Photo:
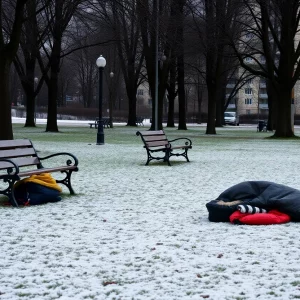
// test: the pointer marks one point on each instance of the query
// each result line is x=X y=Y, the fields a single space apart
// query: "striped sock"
x=250 y=209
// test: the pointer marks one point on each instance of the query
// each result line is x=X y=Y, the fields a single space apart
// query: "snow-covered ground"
x=141 y=232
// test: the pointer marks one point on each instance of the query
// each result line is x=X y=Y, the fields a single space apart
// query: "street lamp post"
x=100 y=62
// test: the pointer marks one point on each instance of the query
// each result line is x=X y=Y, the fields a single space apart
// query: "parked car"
x=231 y=118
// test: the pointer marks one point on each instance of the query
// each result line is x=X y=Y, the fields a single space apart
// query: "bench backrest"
x=20 y=152
x=154 y=138
x=104 y=119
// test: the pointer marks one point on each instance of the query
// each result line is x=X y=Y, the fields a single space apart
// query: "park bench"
x=106 y=123
x=139 y=121
x=262 y=126
x=94 y=124
x=18 y=158
x=156 y=141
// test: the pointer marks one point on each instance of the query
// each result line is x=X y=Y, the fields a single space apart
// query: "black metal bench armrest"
x=69 y=162
x=187 y=142
x=11 y=170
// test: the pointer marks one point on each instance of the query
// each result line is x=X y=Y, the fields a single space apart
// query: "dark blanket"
x=263 y=194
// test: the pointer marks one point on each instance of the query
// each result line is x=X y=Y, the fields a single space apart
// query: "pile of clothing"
x=37 y=189
x=256 y=203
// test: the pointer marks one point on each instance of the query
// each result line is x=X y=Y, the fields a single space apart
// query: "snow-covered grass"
x=141 y=232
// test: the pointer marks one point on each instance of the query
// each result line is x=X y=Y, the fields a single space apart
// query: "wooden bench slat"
x=155 y=138
x=157 y=143
x=6 y=144
x=21 y=162
x=17 y=152
x=46 y=170
x=151 y=132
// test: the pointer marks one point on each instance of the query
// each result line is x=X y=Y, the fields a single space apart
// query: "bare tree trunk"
x=53 y=87
x=8 y=49
x=30 y=104
x=131 y=92
x=30 y=48
x=272 y=104
x=172 y=93
x=199 y=100
x=148 y=32
x=284 y=122
x=6 y=132
x=211 y=115
x=180 y=66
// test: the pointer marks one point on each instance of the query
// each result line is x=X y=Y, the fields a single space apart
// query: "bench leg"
x=12 y=199
x=184 y=154
x=167 y=157
x=9 y=191
x=67 y=181
x=148 y=158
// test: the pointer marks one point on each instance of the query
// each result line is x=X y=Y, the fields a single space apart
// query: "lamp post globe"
x=101 y=63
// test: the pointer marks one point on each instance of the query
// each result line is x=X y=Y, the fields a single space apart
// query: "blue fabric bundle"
x=30 y=193
x=262 y=194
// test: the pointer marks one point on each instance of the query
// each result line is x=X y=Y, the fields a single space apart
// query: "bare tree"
x=172 y=89
x=86 y=73
x=214 y=21
x=26 y=60
x=179 y=7
x=121 y=17
x=273 y=24
x=11 y=20
x=57 y=16
x=161 y=31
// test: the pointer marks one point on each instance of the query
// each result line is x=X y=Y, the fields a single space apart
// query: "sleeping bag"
x=262 y=194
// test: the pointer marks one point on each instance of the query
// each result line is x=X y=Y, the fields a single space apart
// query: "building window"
x=248 y=59
x=140 y=92
x=150 y=101
x=248 y=91
x=249 y=81
x=248 y=101
x=248 y=111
